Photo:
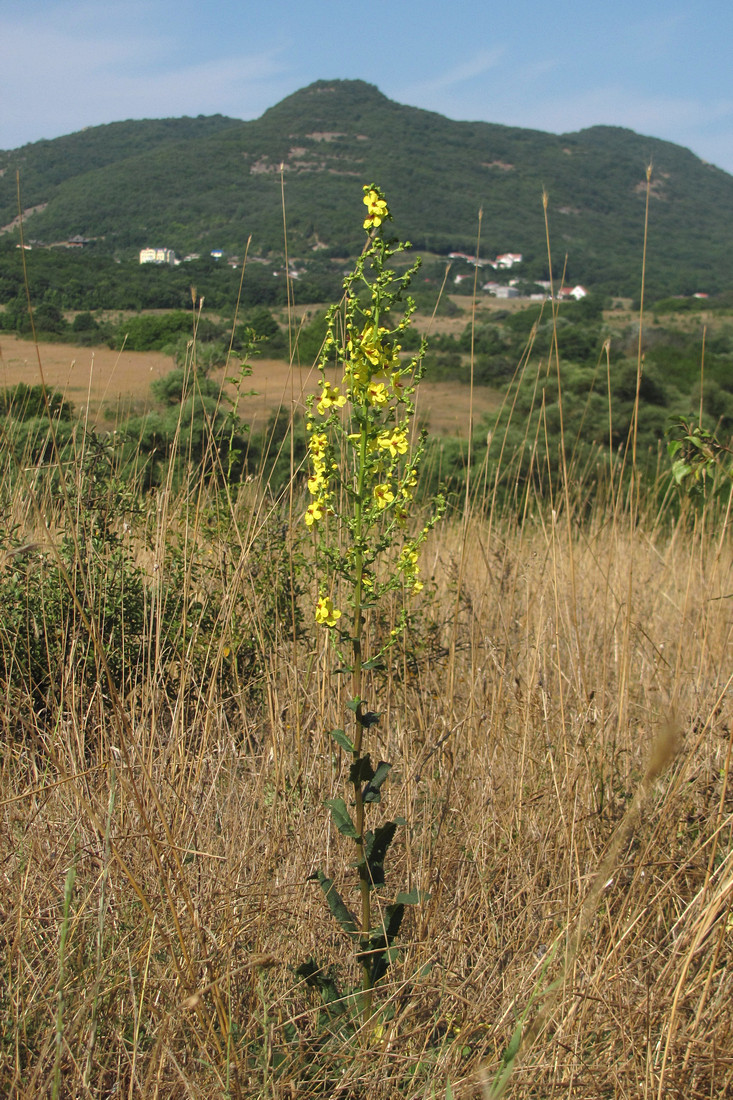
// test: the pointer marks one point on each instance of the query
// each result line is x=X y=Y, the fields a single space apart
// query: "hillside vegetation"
x=128 y=185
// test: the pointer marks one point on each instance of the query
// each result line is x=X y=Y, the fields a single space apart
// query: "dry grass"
x=548 y=662
x=559 y=719
x=111 y=384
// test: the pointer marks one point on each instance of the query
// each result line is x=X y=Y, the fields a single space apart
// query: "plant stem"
x=68 y=894
x=356 y=686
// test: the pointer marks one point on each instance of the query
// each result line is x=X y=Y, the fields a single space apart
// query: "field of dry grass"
x=560 y=720
x=118 y=382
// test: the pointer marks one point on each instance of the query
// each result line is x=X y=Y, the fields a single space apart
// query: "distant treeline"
x=687 y=369
x=86 y=279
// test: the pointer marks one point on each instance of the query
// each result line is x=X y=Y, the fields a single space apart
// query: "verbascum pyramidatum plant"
x=364 y=467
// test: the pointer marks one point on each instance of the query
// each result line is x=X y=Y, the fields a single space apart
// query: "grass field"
x=558 y=714
x=117 y=382
x=548 y=664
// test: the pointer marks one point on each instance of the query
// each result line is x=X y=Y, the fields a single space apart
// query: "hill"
x=197 y=184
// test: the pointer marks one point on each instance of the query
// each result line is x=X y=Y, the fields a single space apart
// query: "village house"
x=576 y=292
x=157 y=256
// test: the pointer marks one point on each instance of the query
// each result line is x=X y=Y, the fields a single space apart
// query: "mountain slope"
x=194 y=184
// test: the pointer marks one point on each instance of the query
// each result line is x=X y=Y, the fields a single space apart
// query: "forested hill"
x=194 y=184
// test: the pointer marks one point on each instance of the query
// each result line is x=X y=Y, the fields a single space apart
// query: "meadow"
x=555 y=703
x=110 y=385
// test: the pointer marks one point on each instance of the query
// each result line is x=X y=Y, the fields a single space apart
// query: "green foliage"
x=94 y=280
x=127 y=185
x=150 y=332
x=50 y=597
x=197 y=425
x=86 y=604
x=23 y=402
x=696 y=455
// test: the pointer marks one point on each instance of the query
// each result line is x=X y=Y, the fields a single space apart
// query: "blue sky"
x=660 y=68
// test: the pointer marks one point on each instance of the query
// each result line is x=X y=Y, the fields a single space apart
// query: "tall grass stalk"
x=61 y=979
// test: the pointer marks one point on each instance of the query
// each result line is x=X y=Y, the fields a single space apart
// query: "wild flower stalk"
x=364 y=465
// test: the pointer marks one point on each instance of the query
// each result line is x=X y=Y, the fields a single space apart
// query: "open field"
x=514 y=707
x=559 y=718
x=119 y=381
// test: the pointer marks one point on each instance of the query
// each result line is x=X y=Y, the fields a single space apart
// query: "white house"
x=508 y=259
x=157 y=256
x=576 y=292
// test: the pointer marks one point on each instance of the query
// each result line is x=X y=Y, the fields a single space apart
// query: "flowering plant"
x=364 y=459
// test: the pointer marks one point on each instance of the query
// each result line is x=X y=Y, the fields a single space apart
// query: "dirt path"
x=116 y=383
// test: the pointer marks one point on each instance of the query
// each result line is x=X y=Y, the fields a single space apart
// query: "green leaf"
x=340 y=737
x=341 y=817
x=380 y=951
x=337 y=906
x=375 y=664
x=371 y=791
x=413 y=898
x=361 y=771
x=376 y=847
x=317 y=978
x=515 y=1043
x=393 y=915
x=354 y=704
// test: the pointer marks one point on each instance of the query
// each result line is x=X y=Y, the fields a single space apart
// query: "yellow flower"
x=317 y=443
x=326 y=613
x=383 y=495
x=376 y=209
x=409 y=484
x=370 y=344
x=377 y=393
x=408 y=559
x=408 y=564
x=316 y=482
x=331 y=397
x=395 y=442
x=314 y=512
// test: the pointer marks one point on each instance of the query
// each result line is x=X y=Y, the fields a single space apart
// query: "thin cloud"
x=104 y=79
x=477 y=65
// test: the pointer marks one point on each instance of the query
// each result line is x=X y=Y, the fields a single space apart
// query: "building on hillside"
x=576 y=292
x=157 y=256
x=508 y=259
